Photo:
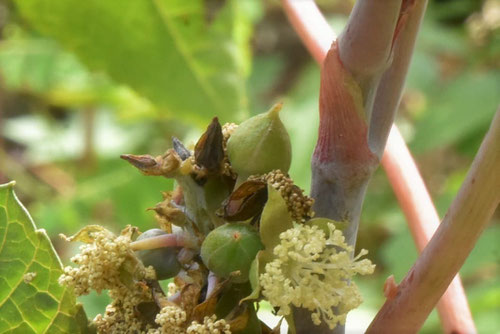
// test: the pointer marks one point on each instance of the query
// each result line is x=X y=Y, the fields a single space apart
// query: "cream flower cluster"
x=107 y=262
x=98 y=263
x=172 y=320
x=102 y=264
x=314 y=271
x=172 y=289
x=210 y=325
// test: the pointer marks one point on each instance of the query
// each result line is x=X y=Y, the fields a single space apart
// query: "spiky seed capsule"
x=260 y=145
x=164 y=260
x=231 y=248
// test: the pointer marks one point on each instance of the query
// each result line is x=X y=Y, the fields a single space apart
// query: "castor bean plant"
x=236 y=232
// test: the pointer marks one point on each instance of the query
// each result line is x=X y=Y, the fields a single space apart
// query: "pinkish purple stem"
x=165 y=240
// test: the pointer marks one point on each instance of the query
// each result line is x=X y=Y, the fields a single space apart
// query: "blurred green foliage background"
x=84 y=81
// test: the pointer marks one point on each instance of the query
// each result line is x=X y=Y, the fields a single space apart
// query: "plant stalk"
x=423 y=221
x=313 y=29
x=448 y=249
x=160 y=241
x=390 y=87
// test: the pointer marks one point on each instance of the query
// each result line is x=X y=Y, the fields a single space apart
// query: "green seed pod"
x=259 y=145
x=230 y=248
x=164 y=260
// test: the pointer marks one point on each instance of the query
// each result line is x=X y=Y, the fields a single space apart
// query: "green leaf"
x=275 y=219
x=256 y=269
x=302 y=124
x=39 y=66
x=229 y=301
x=31 y=299
x=399 y=254
x=253 y=277
x=485 y=255
x=169 y=51
x=119 y=185
x=465 y=105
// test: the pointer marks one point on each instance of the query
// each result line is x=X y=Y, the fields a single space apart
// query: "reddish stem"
x=342 y=137
x=165 y=240
x=450 y=246
x=212 y=282
x=391 y=84
x=310 y=25
x=423 y=221
x=453 y=307
x=371 y=26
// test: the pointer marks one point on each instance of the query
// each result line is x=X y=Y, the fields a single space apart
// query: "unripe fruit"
x=164 y=259
x=259 y=145
x=229 y=248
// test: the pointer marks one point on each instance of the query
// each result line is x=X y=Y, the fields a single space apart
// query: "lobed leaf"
x=31 y=299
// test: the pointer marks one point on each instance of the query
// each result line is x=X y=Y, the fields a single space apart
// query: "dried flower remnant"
x=166 y=165
x=245 y=202
x=314 y=272
x=209 y=151
x=169 y=212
